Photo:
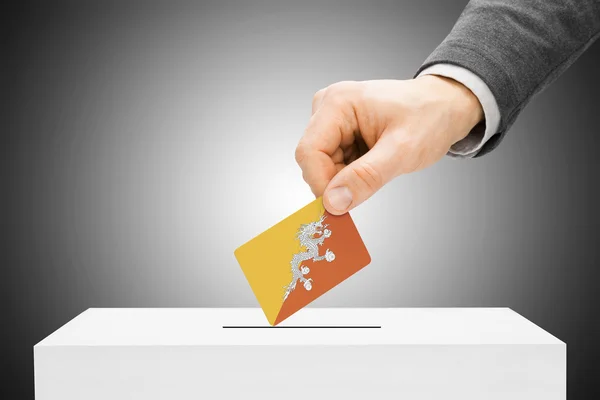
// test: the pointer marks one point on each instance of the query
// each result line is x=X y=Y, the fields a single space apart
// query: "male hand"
x=364 y=134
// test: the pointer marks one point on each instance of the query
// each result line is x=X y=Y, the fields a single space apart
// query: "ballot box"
x=318 y=353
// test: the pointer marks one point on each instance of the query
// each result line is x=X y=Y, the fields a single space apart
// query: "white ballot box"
x=318 y=353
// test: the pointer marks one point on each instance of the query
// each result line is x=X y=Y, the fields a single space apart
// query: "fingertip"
x=338 y=200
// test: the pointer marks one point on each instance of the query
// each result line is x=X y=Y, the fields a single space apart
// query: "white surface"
x=192 y=327
x=186 y=353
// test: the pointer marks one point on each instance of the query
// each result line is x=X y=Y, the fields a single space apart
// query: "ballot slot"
x=302 y=327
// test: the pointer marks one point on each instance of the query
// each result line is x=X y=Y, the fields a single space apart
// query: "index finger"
x=322 y=138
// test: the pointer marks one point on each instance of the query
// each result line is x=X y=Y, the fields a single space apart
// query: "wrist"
x=467 y=111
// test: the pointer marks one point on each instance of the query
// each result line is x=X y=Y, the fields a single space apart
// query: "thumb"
x=358 y=181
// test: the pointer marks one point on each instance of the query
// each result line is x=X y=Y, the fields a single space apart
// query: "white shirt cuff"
x=470 y=145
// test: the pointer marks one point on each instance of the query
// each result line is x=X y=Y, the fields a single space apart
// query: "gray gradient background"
x=142 y=143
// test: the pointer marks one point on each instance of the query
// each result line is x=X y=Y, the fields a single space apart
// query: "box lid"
x=310 y=326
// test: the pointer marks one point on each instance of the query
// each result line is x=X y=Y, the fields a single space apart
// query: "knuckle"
x=305 y=177
x=368 y=176
x=318 y=95
x=336 y=99
x=338 y=121
x=341 y=94
x=300 y=153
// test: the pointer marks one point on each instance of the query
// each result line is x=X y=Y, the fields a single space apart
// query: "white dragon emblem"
x=306 y=236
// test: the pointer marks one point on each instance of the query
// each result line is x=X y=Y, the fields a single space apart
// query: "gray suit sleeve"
x=518 y=48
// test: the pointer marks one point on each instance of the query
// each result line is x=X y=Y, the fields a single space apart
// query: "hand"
x=364 y=134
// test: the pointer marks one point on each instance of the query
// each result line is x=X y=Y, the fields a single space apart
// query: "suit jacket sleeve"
x=518 y=48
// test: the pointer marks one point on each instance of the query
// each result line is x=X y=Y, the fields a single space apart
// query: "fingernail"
x=340 y=198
